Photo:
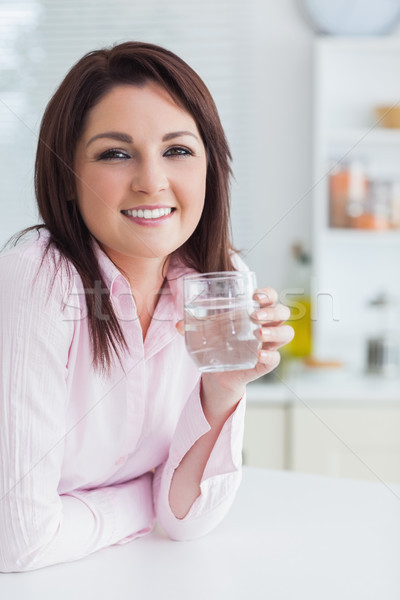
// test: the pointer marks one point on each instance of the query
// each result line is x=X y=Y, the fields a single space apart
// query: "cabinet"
x=348 y=429
x=356 y=442
x=265 y=436
x=347 y=441
x=352 y=266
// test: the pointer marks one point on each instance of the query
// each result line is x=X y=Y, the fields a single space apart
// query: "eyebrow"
x=112 y=135
x=124 y=137
x=175 y=134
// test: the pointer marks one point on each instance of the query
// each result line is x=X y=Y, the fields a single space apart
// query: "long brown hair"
x=93 y=76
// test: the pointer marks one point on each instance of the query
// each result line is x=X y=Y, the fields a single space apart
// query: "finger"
x=270 y=359
x=272 y=314
x=266 y=296
x=276 y=336
x=180 y=325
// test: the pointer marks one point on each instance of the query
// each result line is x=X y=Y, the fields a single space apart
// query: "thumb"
x=180 y=325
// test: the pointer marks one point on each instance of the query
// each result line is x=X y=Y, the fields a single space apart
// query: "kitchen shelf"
x=373 y=136
x=338 y=235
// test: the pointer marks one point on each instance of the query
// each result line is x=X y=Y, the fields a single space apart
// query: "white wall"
x=281 y=50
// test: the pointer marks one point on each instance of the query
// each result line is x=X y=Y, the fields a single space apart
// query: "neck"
x=139 y=270
x=146 y=284
x=146 y=277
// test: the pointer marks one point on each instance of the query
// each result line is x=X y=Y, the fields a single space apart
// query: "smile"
x=155 y=213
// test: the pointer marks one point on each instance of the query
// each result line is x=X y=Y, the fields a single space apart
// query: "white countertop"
x=288 y=536
x=336 y=385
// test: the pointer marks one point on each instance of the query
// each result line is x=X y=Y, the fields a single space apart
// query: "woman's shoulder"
x=28 y=245
x=32 y=259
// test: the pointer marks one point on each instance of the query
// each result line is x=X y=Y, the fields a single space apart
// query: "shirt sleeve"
x=39 y=527
x=221 y=477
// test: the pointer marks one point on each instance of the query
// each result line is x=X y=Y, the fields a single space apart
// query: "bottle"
x=297 y=297
x=357 y=192
x=338 y=195
x=395 y=205
x=348 y=185
x=383 y=346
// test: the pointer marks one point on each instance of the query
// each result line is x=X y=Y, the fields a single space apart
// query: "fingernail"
x=265 y=332
x=262 y=297
x=263 y=315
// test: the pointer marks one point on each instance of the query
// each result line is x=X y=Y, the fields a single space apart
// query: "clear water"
x=220 y=335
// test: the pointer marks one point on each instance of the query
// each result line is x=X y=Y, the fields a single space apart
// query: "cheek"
x=85 y=185
x=91 y=197
x=95 y=187
x=195 y=198
x=195 y=184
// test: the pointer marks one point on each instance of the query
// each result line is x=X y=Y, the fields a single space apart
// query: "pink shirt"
x=86 y=461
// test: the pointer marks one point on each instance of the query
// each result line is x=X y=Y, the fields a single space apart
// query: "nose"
x=149 y=177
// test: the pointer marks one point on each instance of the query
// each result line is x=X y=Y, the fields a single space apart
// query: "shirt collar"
x=113 y=277
x=111 y=274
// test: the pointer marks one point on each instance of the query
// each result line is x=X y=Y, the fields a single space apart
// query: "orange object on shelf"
x=315 y=363
x=370 y=221
x=377 y=207
x=348 y=187
x=338 y=193
x=388 y=116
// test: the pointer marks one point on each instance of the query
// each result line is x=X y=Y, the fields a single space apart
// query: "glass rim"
x=216 y=275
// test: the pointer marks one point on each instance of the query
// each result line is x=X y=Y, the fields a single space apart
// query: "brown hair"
x=208 y=248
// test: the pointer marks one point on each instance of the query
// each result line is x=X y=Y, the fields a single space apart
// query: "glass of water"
x=219 y=333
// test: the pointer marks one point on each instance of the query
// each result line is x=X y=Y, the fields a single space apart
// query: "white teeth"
x=147 y=213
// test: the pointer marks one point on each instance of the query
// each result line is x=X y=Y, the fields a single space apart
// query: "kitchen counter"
x=288 y=535
x=298 y=383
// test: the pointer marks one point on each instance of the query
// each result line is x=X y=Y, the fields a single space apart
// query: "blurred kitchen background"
x=309 y=94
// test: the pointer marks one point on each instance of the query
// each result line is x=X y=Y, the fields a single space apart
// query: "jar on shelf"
x=383 y=344
x=348 y=188
x=376 y=208
x=395 y=204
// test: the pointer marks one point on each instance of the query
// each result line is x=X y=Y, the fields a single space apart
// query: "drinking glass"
x=219 y=334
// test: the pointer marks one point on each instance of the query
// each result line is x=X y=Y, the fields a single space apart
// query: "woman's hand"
x=226 y=388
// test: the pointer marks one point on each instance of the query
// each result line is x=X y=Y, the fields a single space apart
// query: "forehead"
x=134 y=105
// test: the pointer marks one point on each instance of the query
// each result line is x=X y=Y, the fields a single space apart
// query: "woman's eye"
x=178 y=151
x=113 y=154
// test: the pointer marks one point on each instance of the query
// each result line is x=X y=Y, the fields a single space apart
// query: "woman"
x=106 y=424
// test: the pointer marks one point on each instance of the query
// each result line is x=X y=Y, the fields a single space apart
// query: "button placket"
x=162 y=329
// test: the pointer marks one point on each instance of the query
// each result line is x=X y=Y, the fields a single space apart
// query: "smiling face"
x=140 y=167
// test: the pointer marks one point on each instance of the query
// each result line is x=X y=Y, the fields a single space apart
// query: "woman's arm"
x=39 y=527
x=201 y=482
x=185 y=485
